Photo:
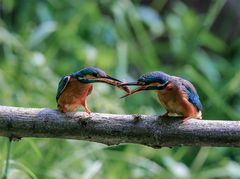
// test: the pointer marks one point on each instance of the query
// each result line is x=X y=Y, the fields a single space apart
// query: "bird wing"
x=62 y=85
x=191 y=94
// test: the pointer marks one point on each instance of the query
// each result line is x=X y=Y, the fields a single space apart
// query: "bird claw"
x=87 y=111
x=185 y=119
x=164 y=116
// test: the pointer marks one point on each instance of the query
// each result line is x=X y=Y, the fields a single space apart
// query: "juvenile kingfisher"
x=73 y=89
x=176 y=95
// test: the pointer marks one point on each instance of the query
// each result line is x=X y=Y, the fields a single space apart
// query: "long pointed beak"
x=140 y=88
x=111 y=81
x=129 y=84
x=111 y=78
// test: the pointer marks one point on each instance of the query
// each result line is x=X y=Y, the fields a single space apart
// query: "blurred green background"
x=41 y=41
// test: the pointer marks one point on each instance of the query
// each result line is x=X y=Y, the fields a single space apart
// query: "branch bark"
x=113 y=129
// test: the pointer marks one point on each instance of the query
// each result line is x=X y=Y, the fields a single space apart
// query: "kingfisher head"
x=149 y=81
x=93 y=75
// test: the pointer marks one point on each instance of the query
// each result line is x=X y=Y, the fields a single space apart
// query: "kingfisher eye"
x=95 y=75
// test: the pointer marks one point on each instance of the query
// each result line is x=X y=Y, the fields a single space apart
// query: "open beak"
x=111 y=81
x=140 y=88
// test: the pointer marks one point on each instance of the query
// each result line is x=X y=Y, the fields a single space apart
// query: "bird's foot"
x=164 y=116
x=88 y=115
x=186 y=118
x=87 y=110
x=62 y=109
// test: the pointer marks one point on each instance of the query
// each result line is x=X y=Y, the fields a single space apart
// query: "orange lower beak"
x=134 y=91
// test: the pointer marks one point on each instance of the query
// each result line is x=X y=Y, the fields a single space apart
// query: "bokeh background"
x=41 y=41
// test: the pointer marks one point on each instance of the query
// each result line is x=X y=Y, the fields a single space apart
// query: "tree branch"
x=113 y=129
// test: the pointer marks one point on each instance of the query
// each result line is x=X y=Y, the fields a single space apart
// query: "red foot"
x=164 y=116
x=185 y=119
x=62 y=109
x=87 y=110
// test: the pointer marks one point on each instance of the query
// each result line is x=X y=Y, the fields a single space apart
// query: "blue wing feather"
x=192 y=94
x=62 y=85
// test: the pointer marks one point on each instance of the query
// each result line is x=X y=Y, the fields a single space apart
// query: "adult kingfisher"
x=177 y=95
x=73 y=89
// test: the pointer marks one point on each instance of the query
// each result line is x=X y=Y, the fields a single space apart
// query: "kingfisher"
x=73 y=89
x=177 y=95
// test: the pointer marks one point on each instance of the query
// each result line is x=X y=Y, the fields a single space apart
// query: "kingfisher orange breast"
x=74 y=95
x=175 y=102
